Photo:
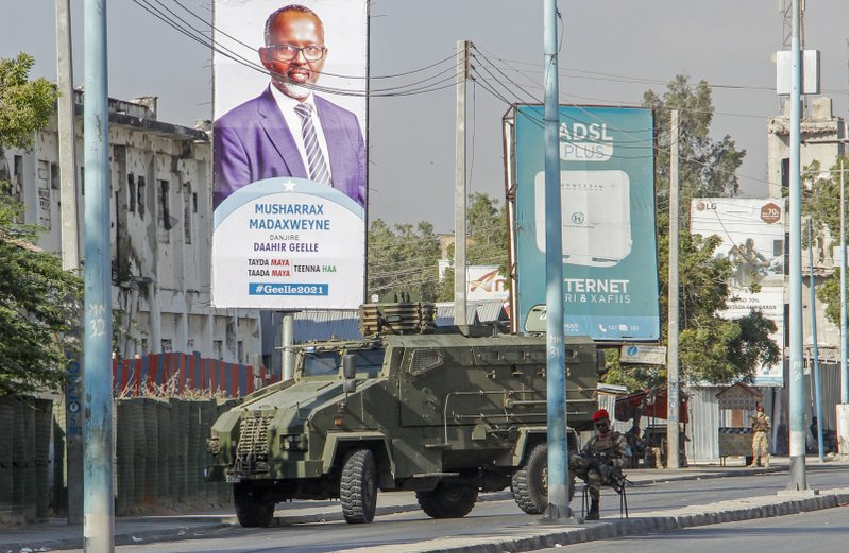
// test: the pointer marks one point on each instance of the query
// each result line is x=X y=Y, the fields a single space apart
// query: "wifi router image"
x=596 y=216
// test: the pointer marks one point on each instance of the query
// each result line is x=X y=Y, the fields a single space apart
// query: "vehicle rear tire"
x=252 y=509
x=530 y=482
x=448 y=500
x=358 y=487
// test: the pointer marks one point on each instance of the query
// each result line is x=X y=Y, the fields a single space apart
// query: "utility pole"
x=844 y=343
x=815 y=350
x=98 y=500
x=796 y=394
x=555 y=371
x=65 y=120
x=672 y=373
x=463 y=71
x=70 y=257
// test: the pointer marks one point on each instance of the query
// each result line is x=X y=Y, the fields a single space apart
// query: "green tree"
x=712 y=349
x=403 y=258
x=821 y=201
x=706 y=167
x=37 y=297
x=488 y=243
x=25 y=106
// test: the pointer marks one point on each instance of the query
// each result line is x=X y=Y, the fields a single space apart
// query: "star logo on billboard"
x=289 y=186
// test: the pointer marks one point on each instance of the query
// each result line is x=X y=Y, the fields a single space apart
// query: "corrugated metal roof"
x=344 y=323
x=484 y=311
x=326 y=324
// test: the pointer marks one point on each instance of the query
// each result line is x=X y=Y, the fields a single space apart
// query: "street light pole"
x=98 y=496
x=796 y=395
x=558 y=499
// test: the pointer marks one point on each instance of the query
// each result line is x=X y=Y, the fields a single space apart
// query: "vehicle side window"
x=369 y=361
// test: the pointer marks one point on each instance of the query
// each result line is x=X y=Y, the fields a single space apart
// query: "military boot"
x=593 y=514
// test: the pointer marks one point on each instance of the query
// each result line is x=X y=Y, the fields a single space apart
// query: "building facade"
x=160 y=231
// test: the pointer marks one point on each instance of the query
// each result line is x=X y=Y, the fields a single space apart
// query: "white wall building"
x=160 y=231
x=823 y=140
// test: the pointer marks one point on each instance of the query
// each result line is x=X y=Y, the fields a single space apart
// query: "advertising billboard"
x=752 y=234
x=610 y=284
x=484 y=282
x=289 y=159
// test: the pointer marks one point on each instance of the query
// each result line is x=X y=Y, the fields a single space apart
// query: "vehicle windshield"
x=369 y=362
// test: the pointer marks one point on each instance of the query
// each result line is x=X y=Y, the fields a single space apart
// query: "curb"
x=665 y=521
x=131 y=538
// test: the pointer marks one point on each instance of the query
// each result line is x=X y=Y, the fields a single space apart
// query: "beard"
x=291 y=89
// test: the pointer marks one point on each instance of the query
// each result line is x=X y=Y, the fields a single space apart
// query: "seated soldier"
x=600 y=462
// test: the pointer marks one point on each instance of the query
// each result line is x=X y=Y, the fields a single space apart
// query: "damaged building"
x=160 y=231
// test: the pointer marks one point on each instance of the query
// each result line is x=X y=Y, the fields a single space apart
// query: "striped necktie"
x=315 y=158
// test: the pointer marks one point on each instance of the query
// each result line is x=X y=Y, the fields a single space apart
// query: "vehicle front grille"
x=253 y=446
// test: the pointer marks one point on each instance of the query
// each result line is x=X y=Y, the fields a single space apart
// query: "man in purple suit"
x=287 y=130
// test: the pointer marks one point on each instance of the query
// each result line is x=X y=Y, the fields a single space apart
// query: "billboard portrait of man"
x=288 y=129
x=289 y=158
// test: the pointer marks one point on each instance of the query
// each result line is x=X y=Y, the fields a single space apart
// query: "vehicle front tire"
x=530 y=482
x=252 y=509
x=448 y=500
x=358 y=487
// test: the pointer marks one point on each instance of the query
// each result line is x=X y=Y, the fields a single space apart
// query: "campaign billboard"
x=752 y=234
x=610 y=285
x=289 y=157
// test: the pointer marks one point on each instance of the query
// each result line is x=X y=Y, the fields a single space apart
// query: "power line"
x=428 y=84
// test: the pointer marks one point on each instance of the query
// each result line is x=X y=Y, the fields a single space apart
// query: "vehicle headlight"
x=293 y=442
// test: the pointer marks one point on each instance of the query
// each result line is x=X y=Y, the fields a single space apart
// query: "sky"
x=612 y=51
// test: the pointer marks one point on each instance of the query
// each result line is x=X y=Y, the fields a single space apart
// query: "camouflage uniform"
x=760 y=442
x=610 y=448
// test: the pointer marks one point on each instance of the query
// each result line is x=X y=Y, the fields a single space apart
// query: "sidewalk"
x=56 y=534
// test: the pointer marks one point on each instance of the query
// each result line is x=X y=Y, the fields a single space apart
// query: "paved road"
x=497 y=516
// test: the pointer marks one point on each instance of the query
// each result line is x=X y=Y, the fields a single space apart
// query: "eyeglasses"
x=288 y=52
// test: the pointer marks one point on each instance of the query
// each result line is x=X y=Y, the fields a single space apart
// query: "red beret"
x=601 y=414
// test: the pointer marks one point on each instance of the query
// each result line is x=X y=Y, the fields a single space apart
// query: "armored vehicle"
x=446 y=414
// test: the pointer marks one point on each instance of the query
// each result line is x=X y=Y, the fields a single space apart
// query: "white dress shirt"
x=293 y=120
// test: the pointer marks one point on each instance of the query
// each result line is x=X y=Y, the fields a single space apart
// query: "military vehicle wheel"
x=530 y=482
x=448 y=500
x=358 y=488
x=252 y=510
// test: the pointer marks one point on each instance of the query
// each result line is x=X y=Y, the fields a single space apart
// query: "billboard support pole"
x=463 y=69
x=672 y=370
x=287 y=340
x=558 y=499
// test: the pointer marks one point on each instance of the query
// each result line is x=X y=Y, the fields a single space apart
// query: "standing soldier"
x=760 y=442
x=601 y=460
